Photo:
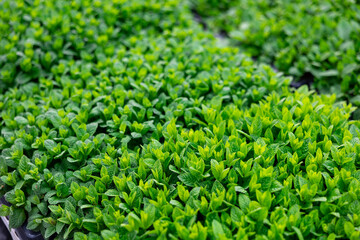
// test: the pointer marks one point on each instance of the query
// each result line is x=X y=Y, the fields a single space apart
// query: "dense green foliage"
x=126 y=120
x=299 y=37
x=38 y=39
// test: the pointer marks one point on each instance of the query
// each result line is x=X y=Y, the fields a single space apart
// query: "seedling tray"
x=20 y=233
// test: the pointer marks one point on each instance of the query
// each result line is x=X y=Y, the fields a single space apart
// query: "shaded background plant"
x=302 y=38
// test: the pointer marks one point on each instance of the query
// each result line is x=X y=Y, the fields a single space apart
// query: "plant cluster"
x=301 y=38
x=138 y=124
x=37 y=36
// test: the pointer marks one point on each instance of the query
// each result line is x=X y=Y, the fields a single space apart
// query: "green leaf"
x=4 y=210
x=107 y=234
x=69 y=230
x=10 y=197
x=217 y=229
x=54 y=118
x=244 y=202
x=298 y=233
x=188 y=179
x=24 y=166
x=329 y=73
x=217 y=187
x=171 y=128
x=240 y=189
x=256 y=126
x=93 y=236
x=49 y=231
x=80 y=236
x=349 y=229
x=136 y=135
x=50 y=145
x=21 y=120
x=149 y=219
x=111 y=193
x=17 y=218
x=91 y=128
x=355 y=100
x=349 y=69
x=236 y=214
x=43 y=208
x=32 y=225
x=138 y=197
x=344 y=29
x=62 y=190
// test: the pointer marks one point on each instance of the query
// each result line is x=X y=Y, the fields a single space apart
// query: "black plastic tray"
x=22 y=232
